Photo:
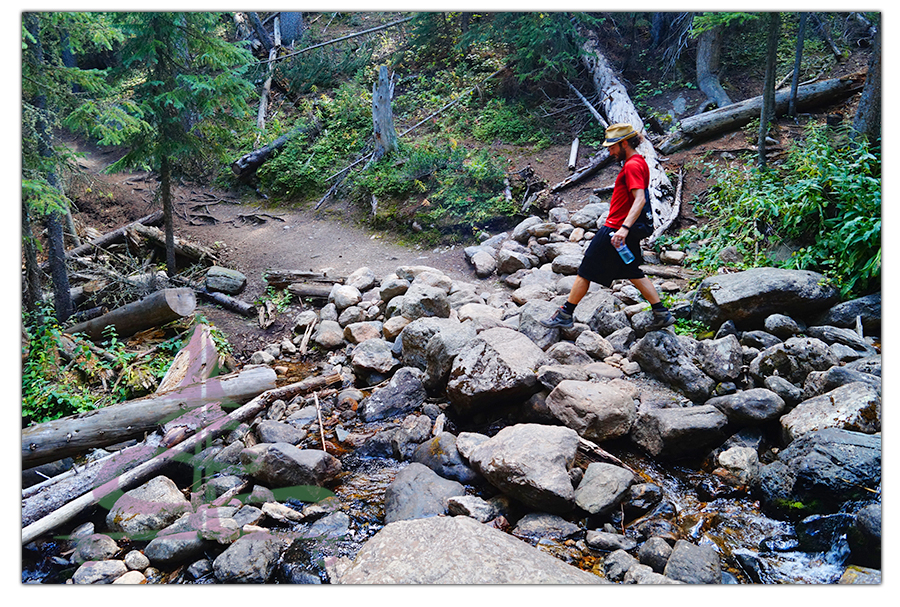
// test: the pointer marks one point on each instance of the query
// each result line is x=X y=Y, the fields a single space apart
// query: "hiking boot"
x=560 y=319
x=661 y=320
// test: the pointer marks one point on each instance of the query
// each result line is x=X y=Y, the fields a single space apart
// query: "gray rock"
x=680 y=431
x=643 y=574
x=344 y=296
x=820 y=382
x=136 y=560
x=665 y=357
x=499 y=365
x=418 y=492
x=414 y=338
x=602 y=312
x=617 y=564
x=721 y=358
x=358 y=330
x=749 y=407
x=755 y=294
x=373 y=360
x=455 y=550
x=595 y=345
x=412 y=432
x=608 y=542
x=176 y=544
x=404 y=394
x=269 y=431
x=537 y=525
x=99 y=572
x=530 y=462
x=362 y=279
x=484 y=261
x=225 y=280
x=95 y=547
x=249 y=560
x=788 y=392
x=781 y=326
x=822 y=470
x=598 y=412
x=422 y=301
x=144 y=510
x=844 y=314
x=603 y=487
x=285 y=465
x=474 y=507
x=567 y=353
x=393 y=286
x=530 y=317
x=855 y=407
x=693 y=564
x=655 y=553
x=793 y=360
x=442 y=349
x=441 y=455
x=742 y=462
x=328 y=334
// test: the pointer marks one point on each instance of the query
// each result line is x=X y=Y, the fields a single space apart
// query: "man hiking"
x=602 y=262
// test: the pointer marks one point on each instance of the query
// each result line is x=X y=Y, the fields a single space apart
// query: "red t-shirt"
x=635 y=175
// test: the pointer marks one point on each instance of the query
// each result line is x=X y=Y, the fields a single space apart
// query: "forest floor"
x=251 y=235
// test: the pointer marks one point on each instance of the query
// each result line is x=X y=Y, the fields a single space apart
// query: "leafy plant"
x=824 y=203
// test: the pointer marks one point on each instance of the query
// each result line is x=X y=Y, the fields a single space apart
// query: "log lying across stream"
x=75 y=434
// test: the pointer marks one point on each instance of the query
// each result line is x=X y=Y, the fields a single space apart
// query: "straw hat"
x=618 y=132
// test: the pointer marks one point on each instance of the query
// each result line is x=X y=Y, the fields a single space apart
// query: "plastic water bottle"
x=625 y=253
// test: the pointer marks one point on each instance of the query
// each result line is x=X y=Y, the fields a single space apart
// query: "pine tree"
x=191 y=82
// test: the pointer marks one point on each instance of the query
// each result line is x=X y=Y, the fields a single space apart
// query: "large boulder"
x=442 y=348
x=531 y=463
x=373 y=360
x=455 y=550
x=693 y=564
x=404 y=394
x=418 y=492
x=596 y=411
x=141 y=512
x=679 y=432
x=498 y=366
x=844 y=314
x=749 y=297
x=285 y=465
x=414 y=338
x=603 y=487
x=249 y=560
x=749 y=407
x=664 y=356
x=820 y=471
x=793 y=360
x=855 y=406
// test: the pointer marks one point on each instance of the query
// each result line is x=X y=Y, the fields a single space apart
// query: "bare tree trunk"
x=165 y=186
x=867 y=120
x=795 y=82
x=767 y=113
x=709 y=51
x=382 y=116
x=32 y=277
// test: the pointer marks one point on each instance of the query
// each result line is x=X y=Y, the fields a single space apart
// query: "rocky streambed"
x=466 y=443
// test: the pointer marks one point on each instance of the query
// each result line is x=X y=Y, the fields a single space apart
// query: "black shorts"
x=602 y=263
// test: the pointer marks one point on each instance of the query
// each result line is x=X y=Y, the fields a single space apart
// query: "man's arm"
x=633 y=213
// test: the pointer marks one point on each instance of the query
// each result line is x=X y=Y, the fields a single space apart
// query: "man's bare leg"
x=645 y=286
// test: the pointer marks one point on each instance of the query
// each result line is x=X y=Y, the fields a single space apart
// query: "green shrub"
x=824 y=203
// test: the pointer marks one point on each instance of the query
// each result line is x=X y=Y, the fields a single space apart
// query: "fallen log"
x=134 y=476
x=197 y=361
x=156 y=309
x=245 y=167
x=114 y=237
x=600 y=160
x=315 y=291
x=279 y=279
x=702 y=127
x=190 y=250
x=75 y=434
x=228 y=302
